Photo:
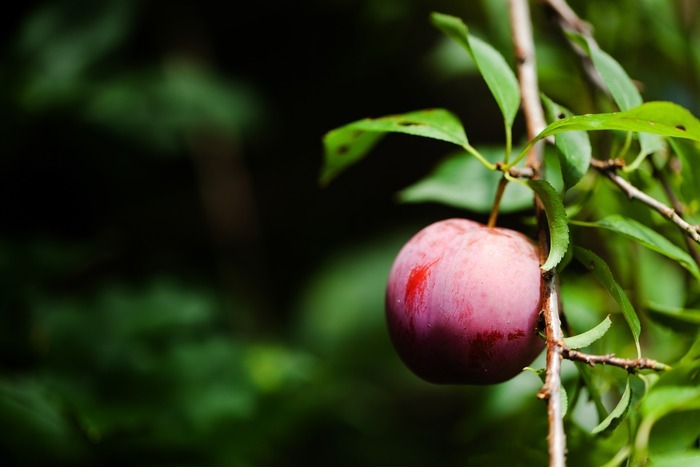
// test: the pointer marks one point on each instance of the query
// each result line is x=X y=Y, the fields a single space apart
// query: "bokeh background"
x=176 y=287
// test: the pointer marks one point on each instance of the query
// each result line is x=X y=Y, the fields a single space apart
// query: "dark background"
x=178 y=289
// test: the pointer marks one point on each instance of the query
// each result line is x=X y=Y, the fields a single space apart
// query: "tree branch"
x=521 y=26
x=569 y=21
x=609 y=169
x=631 y=365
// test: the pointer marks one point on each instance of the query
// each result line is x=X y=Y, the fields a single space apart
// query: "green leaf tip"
x=498 y=75
x=587 y=338
x=617 y=414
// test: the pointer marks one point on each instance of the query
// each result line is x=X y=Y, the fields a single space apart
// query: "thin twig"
x=677 y=206
x=521 y=26
x=569 y=21
x=629 y=364
x=633 y=193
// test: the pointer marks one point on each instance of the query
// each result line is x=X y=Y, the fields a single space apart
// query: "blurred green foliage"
x=177 y=289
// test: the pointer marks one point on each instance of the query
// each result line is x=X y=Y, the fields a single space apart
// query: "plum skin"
x=463 y=303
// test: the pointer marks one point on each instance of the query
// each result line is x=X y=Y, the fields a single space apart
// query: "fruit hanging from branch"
x=463 y=302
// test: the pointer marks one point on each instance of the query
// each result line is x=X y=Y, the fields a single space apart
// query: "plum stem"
x=497 y=201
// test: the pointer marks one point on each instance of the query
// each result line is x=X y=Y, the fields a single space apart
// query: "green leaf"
x=663 y=400
x=574 y=147
x=622 y=89
x=677 y=390
x=617 y=414
x=602 y=273
x=587 y=338
x=687 y=458
x=624 y=93
x=689 y=154
x=658 y=117
x=676 y=432
x=493 y=67
x=679 y=319
x=556 y=218
x=647 y=237
x=568 y=256
x=346 y=145
x=460 y=180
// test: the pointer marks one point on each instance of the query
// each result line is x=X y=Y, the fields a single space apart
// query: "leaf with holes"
x=658 y=117
x=347 y=145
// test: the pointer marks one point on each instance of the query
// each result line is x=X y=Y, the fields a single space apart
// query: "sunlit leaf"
x=348 y=144
x=587 y=338
x=461 y=181
x=574 y=147
x=493 y=67
x=617 y=414
x=623 y=91
x=647 y=237
x=602 y=273
x=658 y=117
x=556 y=218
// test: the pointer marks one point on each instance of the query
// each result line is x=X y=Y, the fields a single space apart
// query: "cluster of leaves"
x=665 y=135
